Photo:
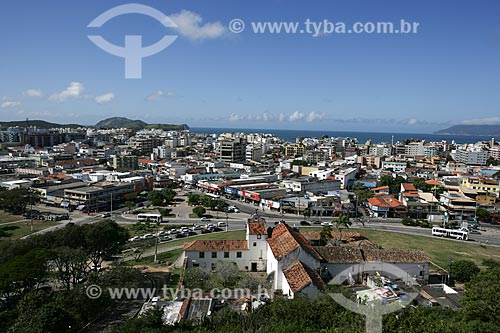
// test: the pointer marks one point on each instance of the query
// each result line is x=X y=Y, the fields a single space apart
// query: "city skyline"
x=210 y=77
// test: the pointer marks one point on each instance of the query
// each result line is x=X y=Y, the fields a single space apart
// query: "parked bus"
x=451 y=233
x=149 y=218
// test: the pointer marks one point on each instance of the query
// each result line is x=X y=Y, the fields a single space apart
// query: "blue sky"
x=447 y=73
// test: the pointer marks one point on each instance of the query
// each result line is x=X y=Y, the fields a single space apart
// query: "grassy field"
x=238 y=234
x=6 y=217
x=18 y=230
x=439 y=250
x=164 y=257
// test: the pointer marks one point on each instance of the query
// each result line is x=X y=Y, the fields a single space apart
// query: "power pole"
x=156 y=242
x=31 y=208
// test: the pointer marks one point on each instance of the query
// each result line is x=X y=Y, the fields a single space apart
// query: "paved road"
x=490 y=234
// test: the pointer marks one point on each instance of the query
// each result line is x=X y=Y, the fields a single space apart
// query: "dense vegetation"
x=41 y=277
x=480 y=313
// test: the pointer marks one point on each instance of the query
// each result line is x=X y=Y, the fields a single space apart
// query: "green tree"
x=483 y=215
x=393 y=183
x=194 y=199
x=325 y=235
x=481 y=295
x=168 y=195
x=362 y=192
x=156 y=198
x=307 y=213
x=129 y=205
x=463 y=270
x=342 y=222
x=199 y=211
x=69 y=265
x=103 y=239
x=197 y=277
x=25 y=272
x=226 y=274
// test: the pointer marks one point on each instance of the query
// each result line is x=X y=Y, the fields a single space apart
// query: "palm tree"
x=342 y=222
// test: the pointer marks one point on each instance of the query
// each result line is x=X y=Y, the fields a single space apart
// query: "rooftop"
x=217 y=245
x=300 y=276
x=284 y=240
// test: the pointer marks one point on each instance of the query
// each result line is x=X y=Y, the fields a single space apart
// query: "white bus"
x=149 y=218
x=451 y=233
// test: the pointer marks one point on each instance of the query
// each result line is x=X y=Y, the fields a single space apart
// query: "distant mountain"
x=480 y=130
x=122 y=122
x=37 y=123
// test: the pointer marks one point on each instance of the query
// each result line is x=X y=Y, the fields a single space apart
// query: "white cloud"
x=412 y=121
x=9 y=104
x=33 y=93
x=74 y=90
x=482 y=121
x=235 y=117
x=313 y=116
x=296 y=116
x=106 y=98
x=157 y=94
x=267 y=117
x=189 y=25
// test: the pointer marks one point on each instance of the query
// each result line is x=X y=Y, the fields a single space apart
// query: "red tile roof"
x=300 y=276
x=385 y=201
x=217 y=245
x=380 y=188
x=408 y=187
x=257 y=228
x=433 y=182
x=284 y=240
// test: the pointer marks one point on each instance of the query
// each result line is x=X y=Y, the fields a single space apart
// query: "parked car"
x=174 y=231
x=180 y=235
x=221 y=224
x=197 y=227
x=475 y=231
x=206 y=231
x=327 y=223
x=190 y=233
x=217 y=229
x=205 y=219
x=148 y=236
x=317 y=222
x=136 y=238
x=305 y=223
x=165 y=238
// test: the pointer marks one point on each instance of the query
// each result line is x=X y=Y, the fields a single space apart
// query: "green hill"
x=122 y=122
x=480 y=130
x=37 y=123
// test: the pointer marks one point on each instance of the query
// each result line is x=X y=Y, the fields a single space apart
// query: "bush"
x=165 y=211
x=199 y=211
x=424 y=224
x=463 y=270
x=408 y=221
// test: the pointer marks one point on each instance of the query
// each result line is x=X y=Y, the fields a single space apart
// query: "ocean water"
x=291 y=135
